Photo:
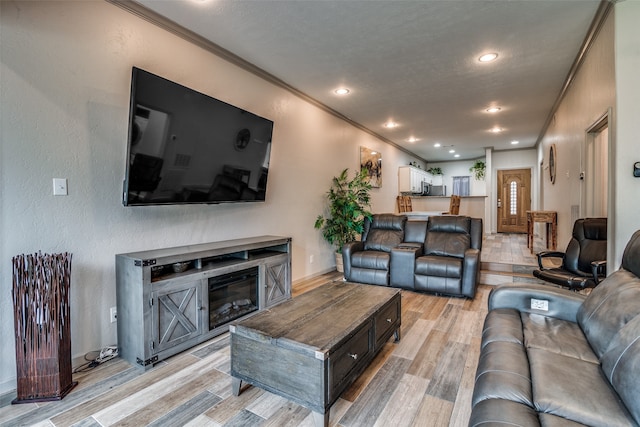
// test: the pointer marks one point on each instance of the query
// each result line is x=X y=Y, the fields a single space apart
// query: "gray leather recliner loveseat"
x=440 y=255
x=552 y=357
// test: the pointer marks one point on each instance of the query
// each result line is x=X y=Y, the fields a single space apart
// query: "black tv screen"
x=186 y=147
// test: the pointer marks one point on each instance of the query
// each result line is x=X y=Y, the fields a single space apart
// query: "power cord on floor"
x=97 y=357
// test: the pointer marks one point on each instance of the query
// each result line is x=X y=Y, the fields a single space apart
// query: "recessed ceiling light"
x=342 y=91
x=496 y=129
x=488 y=57
x=390 y=124
x=456 y=155
x=452 y=151
x=437 y=145
x=515 y=142
x=493 y=109
x=413 y=139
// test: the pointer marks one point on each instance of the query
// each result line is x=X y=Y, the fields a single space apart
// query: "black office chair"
x=584 y=261
x=145 y=173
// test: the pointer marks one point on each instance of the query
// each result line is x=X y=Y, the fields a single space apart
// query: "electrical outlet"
x=60 y=187
x=539 y=304
x=113 y=314
x=310 y=259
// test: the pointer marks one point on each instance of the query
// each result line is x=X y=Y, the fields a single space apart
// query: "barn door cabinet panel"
x=277 y=281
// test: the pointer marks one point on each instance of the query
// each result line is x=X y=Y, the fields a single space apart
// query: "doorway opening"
x=595 y=167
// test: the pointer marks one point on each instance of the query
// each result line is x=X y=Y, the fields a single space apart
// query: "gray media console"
x=174 y=298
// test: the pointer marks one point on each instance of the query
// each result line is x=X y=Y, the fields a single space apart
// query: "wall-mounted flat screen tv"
x=186 y=147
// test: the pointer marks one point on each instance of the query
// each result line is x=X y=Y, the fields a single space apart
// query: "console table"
x=167 y=297
x=548 y=217
x=312 y=347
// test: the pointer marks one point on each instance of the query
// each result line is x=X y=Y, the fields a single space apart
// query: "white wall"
x=65 y=70
x=591 y=94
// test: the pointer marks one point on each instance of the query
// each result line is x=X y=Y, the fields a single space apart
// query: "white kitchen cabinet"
x=410 y=179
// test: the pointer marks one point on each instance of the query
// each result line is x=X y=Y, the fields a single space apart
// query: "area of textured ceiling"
x=414 y=62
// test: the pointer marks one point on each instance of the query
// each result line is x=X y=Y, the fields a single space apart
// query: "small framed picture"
x=371 y=161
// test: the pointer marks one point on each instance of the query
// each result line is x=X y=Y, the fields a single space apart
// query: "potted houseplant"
x=435 y=171
x=349 y=200
x=478 y=169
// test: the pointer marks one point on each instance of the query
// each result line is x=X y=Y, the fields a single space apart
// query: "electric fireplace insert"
x=232 y=296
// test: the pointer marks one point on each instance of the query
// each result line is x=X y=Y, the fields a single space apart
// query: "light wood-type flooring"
x=424 y=380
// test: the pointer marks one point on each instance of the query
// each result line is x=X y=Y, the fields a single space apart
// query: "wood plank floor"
x=424 y=380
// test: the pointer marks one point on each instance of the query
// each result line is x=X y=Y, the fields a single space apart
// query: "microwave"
x=433 y=190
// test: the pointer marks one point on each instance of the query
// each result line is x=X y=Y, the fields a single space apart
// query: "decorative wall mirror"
x=552 y=163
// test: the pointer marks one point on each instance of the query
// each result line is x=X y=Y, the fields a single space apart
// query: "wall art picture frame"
x=552 y=163
x=371 y=161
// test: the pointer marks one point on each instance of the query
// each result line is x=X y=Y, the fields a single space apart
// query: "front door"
x=514 y=200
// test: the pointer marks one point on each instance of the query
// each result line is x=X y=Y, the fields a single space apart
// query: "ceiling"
x=412 y=62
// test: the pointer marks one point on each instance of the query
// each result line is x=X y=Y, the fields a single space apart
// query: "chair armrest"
x=561 y=303
x=598 y=269
x=548 y=254
x=402 y=265
x=347 y=252
x=470 y=272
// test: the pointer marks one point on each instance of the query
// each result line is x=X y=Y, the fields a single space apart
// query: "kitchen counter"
x=473 y=206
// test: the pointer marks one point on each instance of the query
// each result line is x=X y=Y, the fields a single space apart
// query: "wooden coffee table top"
x=316 y=321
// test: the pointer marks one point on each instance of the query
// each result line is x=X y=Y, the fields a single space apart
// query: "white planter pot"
x=339 y=263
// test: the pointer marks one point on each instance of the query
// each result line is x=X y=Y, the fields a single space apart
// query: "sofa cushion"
x=499 y=412
x=631 y=255
x=608 y=308
x=376 y=260
x=574 y=389
x=449 y=224
x=448 y=236
x=503 y=373
x=370 y=276
x=621 y=365
x=550 y=420
x=503 y=324
x=382 y=240
x=415 y=232
x=384 y=232
x=439 y=266
x=557 y=336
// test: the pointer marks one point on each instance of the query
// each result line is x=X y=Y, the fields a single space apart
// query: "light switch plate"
x=539 y=304
x=60 y=186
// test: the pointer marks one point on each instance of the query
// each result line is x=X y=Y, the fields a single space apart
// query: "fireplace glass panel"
x=232 y=296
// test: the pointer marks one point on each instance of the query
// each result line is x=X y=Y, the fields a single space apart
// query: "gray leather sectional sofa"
x=552 y=357
x=440 y=255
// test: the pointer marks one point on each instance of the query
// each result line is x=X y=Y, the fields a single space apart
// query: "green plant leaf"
x=348 y=201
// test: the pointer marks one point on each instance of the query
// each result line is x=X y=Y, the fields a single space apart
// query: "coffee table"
x=311 y=348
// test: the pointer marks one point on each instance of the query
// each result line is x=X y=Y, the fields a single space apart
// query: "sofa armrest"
x=403 y=265
x=470 y=272
x=561 y=303
x=347 y=252
x=548 y=254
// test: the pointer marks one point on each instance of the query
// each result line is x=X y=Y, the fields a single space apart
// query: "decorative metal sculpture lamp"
x=43 y=333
